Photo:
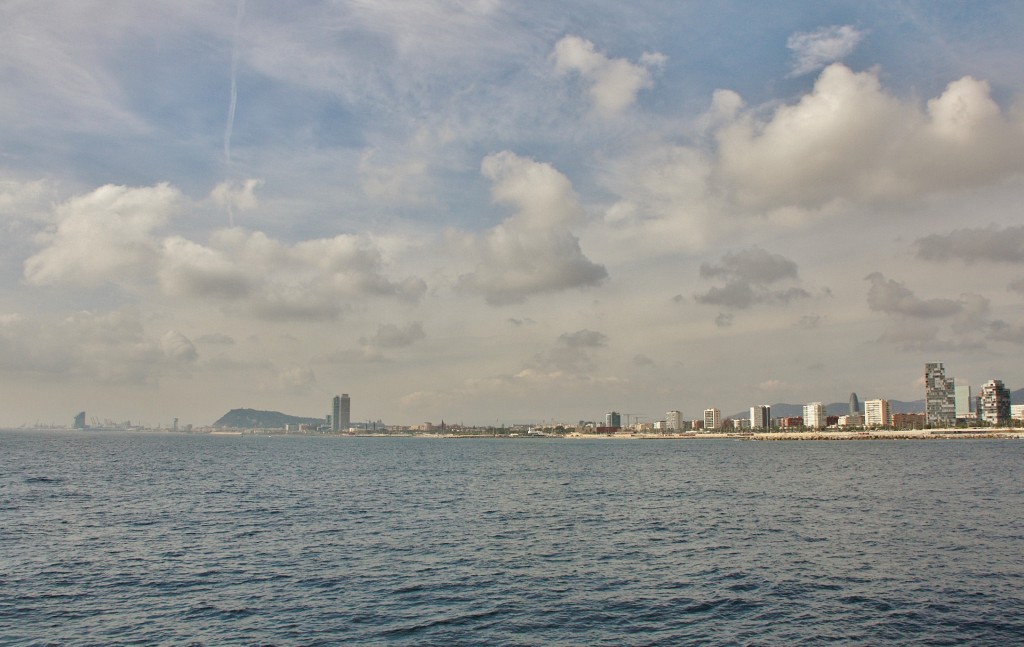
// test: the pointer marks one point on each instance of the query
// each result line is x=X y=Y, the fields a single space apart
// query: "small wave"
x=453 y=621
x=44 y=479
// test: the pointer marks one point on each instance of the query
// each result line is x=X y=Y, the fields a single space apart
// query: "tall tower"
x=854 y=404
x=760 y=416
x=995 y=403
x=939 y=396
x=613 y=419
x=341 y=412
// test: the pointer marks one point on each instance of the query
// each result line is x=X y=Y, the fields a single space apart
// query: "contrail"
x=239 y=12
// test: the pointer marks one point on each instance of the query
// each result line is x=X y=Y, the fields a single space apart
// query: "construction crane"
x=636 y=417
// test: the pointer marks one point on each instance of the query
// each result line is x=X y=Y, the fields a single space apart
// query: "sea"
x=110 y=538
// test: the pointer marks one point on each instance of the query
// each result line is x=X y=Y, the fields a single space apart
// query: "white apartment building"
x=712 y=419
x=814 y=415
x=877 y=413
x=674 y=420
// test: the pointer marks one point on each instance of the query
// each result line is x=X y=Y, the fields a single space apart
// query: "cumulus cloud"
x=253 y=273
x=192 y=269
x=532 y=251
x=748 y=275
x=814 y=50
x=112 y=236
x=106 y=236
x=1001 y=244
x=850 y=140
x=893 y=298
x=614 y=82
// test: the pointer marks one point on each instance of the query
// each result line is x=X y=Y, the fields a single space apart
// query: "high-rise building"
x=939 y=396
x=965 y=404
x=341 y=413
x=712 y=418
x=854 y=404
x=994 y=403
x=674 y=421
x=613 y=419
x=760 y=416
x=814 y=415
x=877 y=413
x=80 y=420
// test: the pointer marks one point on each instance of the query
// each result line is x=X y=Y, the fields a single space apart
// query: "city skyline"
x=481 y=211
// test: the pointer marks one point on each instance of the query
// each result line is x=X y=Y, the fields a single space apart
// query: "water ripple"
x=120 y=539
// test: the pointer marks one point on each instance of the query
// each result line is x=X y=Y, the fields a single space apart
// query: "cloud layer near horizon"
x=548 y=215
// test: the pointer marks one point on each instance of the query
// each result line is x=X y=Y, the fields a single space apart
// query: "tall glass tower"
x=341 y=413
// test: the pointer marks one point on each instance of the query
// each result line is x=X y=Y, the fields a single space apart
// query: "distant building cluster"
x=947 y=404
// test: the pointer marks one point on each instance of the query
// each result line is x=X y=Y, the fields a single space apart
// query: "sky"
x=496 y=211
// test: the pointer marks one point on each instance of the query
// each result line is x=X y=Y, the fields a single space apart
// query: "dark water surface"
x=118 y=539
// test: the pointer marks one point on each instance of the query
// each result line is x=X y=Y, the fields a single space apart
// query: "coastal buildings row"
x=947 y=404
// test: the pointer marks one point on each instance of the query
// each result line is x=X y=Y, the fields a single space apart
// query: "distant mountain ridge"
x=254 y=419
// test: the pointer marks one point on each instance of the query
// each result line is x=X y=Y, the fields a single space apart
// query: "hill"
x=253 y=419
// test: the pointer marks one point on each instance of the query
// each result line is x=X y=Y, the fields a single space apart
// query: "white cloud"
x=111 y=236
x=106 y=236
x=532 y=251
x=816 y=49
x=850 y=140
x=190 y=269
x=615 y=82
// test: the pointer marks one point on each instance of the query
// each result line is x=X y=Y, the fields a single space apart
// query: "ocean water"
x=139 y=539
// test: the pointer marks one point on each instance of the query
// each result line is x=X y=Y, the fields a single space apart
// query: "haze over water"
x=167 y=539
